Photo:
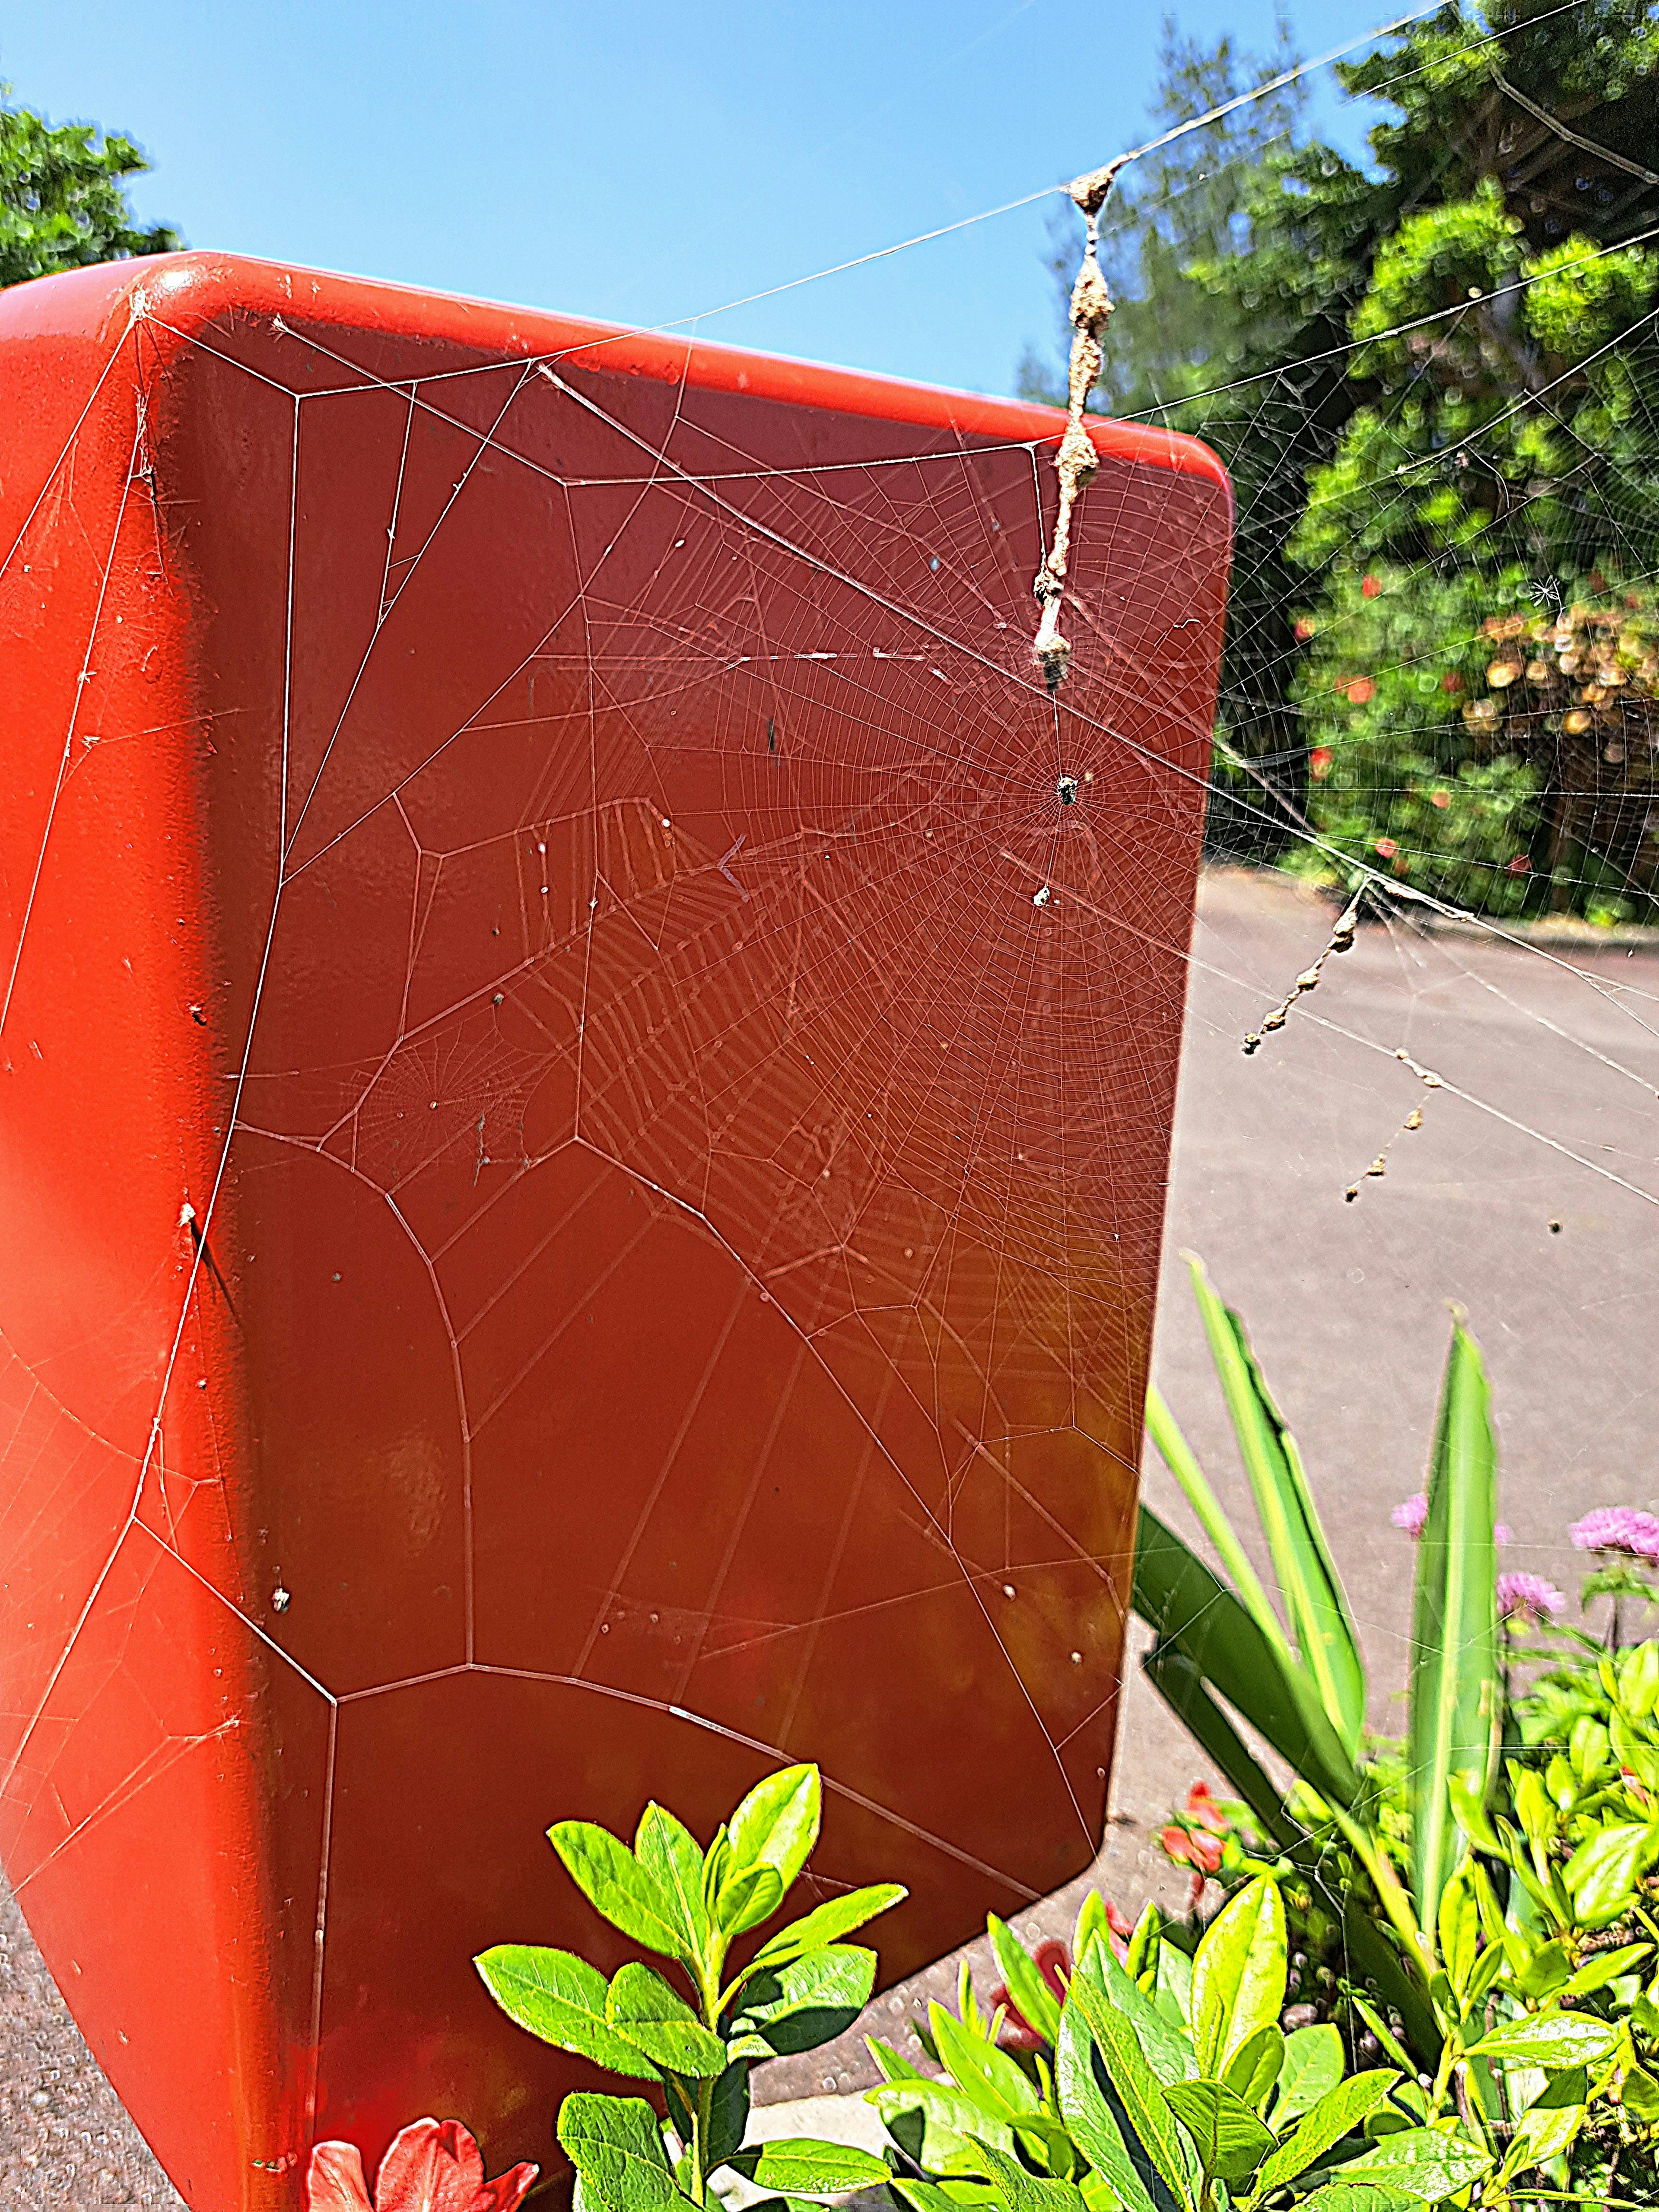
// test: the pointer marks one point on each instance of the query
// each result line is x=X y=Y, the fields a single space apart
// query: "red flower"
x=1202 y=1852
x=1386 y=849
x=433 y=2166
x=1451 y=680
x=1202 y=1808
x=1305 y=630
x=1360 y=691
x=1440 y=798
x=1371 y=587
x=1319 y=760
x=1520 y=865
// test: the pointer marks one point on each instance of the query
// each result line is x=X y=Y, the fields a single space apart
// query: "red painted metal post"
x=585 y=1069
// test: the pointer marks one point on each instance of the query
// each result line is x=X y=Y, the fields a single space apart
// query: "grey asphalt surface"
x=1554 y=1048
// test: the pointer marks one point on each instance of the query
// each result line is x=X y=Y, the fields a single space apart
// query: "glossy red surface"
x=582 y=1143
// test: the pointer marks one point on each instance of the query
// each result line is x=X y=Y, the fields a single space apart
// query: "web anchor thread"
x=1076 y=462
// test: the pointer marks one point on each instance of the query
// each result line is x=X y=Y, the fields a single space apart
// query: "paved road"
x=1347 y=1306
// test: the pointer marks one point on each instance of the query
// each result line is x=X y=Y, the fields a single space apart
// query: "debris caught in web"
x=1341 y=940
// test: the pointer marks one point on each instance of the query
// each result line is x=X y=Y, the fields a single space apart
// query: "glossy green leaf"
x=1089 y=2113
x=1229 y=2138
x=746 y=1897
x=615 y=2147
x=1141 y=1957
x=1188 y=1697
x=1168 y=2049
x=1550 y=2039
x=640 y=2006
x=1455 y=1699
x=671 y=1855
x=803 y=2003
x=1552 y=2121
x=1182 y=1460
x=980 y=2070
x=728 y=2114
x=1425 y=2162
x=1606 y=1966
x=1194 y=1614
x=827 y=1923
x=1254 y=2067
x=777 y=1823
x=936 y=2125
x=1238 y=1973
x=1314 y=2061
x=1359 y=2197
x=800 y=2166
x=1337 y=2113
x=1039 y=2007
x=1602 y=1873
x=1093 y=1926
x=1318 y=1607
x=1641 y=2096
x=615 y=1884
x=1017 y=2190
x=1138 y=2089
x=560 y=1999
x=892 y=2065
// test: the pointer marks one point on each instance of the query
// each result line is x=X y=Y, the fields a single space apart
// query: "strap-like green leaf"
x=615 y=2146
x=1195 y=1613
x=1318 y=1606
x=1169 y=2050
x=1079 y=2076
x=1455 y=1714
x=640 y=2006
x=561 y=2000
x=1182 y=1460
x=615 y=1884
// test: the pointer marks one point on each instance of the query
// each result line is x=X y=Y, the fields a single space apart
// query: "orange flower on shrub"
x=433 y=2166
x=1319 y=760
x=1361 y=691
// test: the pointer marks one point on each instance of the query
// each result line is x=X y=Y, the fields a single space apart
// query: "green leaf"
x=1602 y=1873
x=1039 y=2007
x=1194 y=1614
x=1318 y=1606
x=1454 y=1715
x=1549 y=2039
x=615 y=1884
x=1607 y=1966
x=560 y=1999
x=1168 y=2049
x=1255 y=2066
x=1337 y=2113
x=1230 y=2139
x=1187 y=1694
x=1138 y=2088
x=1020 y=2191
x=1095 y=2125
x=777 y=1823
x=1553 y=2120
x=806 y=2001
x=936 y=2125
x=1425 y=2162
x=1359 y=2197
x=747 y=1896
x=671 y=1855
x=891 y=2064
x=980 y=2070
x=827 y=1923
x=640 y=2006
x=1314 y=2060
x=802 y=2167
x=1091 y=1925
x=1641 y=2096
x=1182 y=1460
x=614 y=2145
x=1238 y=1973
x=728 y=2114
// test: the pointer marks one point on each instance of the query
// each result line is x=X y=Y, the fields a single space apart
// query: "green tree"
x=63 y=204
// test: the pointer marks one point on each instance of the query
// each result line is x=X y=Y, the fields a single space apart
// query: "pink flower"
x=1528 y=1598
x=1411 y=1514
x=1385 y=848
x=1618 y=1528
x=433 y=2166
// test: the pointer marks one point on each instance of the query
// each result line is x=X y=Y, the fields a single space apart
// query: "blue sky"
x=642 y=162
